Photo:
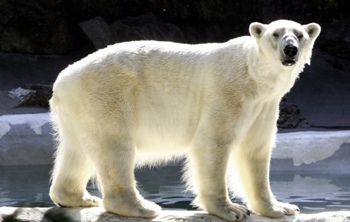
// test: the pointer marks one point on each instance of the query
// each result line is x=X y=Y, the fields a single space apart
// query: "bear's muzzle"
x=289 y=51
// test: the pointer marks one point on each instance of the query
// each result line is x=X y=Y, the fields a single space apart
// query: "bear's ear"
x=313 y=29
x=257 y=29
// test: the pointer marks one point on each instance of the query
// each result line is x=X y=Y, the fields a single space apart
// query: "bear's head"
x=285 y=42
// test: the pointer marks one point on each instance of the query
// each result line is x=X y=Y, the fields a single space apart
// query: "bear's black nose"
x=290 y=50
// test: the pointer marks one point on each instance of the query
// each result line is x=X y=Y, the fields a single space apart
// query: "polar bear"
x=146 y=102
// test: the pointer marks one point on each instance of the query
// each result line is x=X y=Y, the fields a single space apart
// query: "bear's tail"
x=54 y=103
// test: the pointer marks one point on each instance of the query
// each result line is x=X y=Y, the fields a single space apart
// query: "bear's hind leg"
x=70 y=175
x=115 y=160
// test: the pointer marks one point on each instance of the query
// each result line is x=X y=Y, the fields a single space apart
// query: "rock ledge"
x=98 y=214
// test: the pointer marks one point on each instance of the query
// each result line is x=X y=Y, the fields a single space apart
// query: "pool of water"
x=28 y=186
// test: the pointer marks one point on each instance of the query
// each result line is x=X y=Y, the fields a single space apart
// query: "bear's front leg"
x=252 y=159
x=254 y=174
x=209 y=164
x=114 y=160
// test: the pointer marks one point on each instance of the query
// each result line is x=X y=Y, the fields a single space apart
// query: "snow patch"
x=309 y=147
x=4 y=128
x=34 y=121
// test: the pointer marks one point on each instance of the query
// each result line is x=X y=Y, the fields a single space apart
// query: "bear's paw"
x=131 y=206
x=223 y=208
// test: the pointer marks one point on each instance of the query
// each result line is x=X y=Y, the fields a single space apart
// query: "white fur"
x=148 y=102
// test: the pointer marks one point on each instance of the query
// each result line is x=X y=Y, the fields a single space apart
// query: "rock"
x=35 y=26
x=290 y=116
x=39 y=26
x=98 y=32
x=33 y=94
x=338 y=31
x=98 y=214
x=41 y=94
x=20 y=94
x=145 y=27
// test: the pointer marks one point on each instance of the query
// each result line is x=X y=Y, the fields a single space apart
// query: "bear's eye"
x=275 y=34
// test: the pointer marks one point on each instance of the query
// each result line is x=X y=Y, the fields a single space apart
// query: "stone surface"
x=33 y=95
x=146 y=27
x=35 y=26
x=41 y=26
x=95 y=214
x=98 y=32
x=290 y=116
x=323 y=90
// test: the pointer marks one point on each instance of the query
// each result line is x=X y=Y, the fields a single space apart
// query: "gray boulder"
x=144 y=27
x=290 y=116
x=98 y=32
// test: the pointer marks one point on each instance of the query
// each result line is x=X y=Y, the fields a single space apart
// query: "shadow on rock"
x=58 y=214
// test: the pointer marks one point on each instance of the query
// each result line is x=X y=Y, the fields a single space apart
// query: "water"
x=27 y=186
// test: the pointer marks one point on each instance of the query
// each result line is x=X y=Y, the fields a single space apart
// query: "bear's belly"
x=161 y=134
x=167 y=122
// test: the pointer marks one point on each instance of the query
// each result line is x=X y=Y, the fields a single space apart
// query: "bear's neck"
x=273 y=80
